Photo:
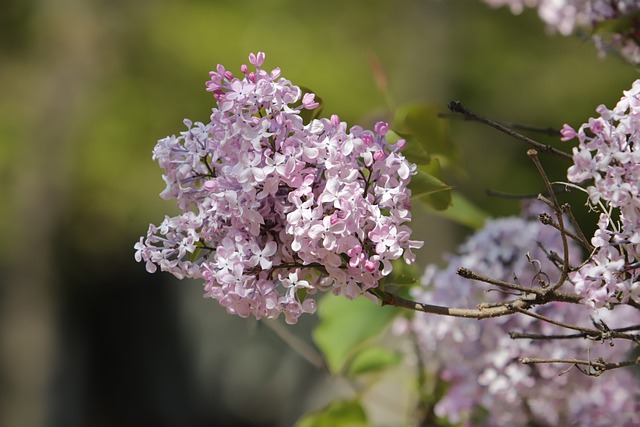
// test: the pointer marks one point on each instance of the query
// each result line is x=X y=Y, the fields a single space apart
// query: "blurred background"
x=87 y=337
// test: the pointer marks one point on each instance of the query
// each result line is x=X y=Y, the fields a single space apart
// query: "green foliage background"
x=87 y=87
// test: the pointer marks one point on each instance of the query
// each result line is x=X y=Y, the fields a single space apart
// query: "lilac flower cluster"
x=565 y=16
x=608 y=158
x=487 y=385
x=275 y=209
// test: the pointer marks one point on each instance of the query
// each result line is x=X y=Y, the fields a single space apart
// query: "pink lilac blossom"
x=487 y=385
x=275 y=209
x=607 y=160
x=567 y=16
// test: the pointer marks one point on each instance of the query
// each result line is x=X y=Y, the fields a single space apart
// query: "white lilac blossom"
x=487 y=384
x=275 y=209
x=591 y=16
x=607 y=159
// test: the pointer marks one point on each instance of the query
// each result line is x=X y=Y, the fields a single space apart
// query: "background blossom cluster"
x=567 y=16
x=274 y=209
x=507 y=392
x=608 y=158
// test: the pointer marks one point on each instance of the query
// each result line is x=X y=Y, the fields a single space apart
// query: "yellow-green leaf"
x=373 y=359
x=422 y=122
x=414 y=151
x=346 y=326
x=340 y=413
x=463 y=211
x=619 y=25
x=429 y=189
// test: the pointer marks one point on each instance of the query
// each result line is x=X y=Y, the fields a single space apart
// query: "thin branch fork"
x=597 y=365
x=529 y=298
x=388 y=298
x=503 y=195
x=549 y=131
x=526 y=335
x=566 y=208
x=590 y=332
x=457 y=107
x=546 y=219
x=517 y=305
x=533 y=155
x=541 y=295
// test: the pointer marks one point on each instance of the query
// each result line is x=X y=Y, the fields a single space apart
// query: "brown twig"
x=598 y=365
x=566 y=208
x=549 y=131
x=503 y=195
x=388 y=298
x=468 y=274
x=515 y=335
x=533 y=155
x=531 y=297
x=457 y=107
x=589 y=331
x=526 y=335
x=542 y=295
x=546 y=219
x=597 y=333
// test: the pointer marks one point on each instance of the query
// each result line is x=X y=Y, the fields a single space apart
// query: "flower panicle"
x=275 y=209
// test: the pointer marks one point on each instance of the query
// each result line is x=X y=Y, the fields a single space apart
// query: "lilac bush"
x=277 y=205
x=275 y=209
x=613 y=25
x=607 y=159
x=487 y=383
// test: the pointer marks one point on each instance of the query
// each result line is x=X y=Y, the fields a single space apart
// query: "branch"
x=546 y=219
x=596 y=333
x=525 y=335
x=502 y=195
x=599 y=365
x=468 y=274
x=457 y=107
x=557 y=210
x=549 y=131
x=514 y=335
x=387 y=298
x=542 y=295
x=589 y=331
x=566 y=208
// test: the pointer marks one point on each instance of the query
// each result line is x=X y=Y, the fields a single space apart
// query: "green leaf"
x=340 y=413
x=195 y=255
x=346 y=326
x=424 y=183
x=373 y=359
x=422 y=122
x=427 y=146
x=463 y=211
x=402 y=274
x=429 y=189
x=414 y=151
x=620 y=25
